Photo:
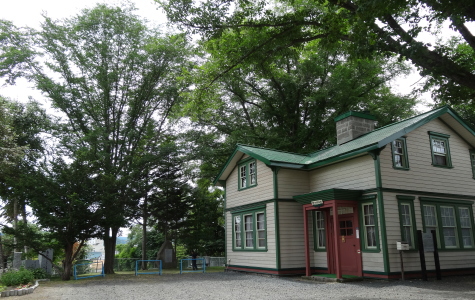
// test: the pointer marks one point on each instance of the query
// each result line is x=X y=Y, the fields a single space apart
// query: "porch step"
x=332 y=278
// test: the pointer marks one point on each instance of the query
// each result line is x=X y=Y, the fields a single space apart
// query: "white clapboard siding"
x=292 y=246
x=422 y=176
x=263 y=191
x=373 y=262
x=248 y=258
x=356 y=173
x=291 y=183
x=448 y=259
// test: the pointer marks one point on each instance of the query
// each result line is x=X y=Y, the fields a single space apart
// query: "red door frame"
x=334 y=204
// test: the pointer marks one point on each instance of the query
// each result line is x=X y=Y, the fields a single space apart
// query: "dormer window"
x=247 y=174
x=439 y=144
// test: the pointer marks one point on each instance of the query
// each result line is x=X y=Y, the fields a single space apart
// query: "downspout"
x=223 y=184
x=375 y=154
x=275 y=171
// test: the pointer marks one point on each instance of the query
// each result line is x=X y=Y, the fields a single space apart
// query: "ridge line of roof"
x=313 y=154
x=275 y=150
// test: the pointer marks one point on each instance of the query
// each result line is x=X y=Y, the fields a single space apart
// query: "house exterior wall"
x=292 y=246
x=456 y=180
x=292 y=182
x=449 y=259
x=264 y=190
x=356 y=173
x=254 y=259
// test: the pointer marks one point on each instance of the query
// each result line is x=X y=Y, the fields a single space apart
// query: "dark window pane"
x=440 y=160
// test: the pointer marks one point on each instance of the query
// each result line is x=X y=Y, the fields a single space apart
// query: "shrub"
x=14 y=278
x=39 y=273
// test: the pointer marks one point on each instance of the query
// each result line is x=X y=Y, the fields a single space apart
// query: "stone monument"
x=167 y=255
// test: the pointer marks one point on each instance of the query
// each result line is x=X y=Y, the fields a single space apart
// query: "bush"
x=14 y=278
x=39 y=273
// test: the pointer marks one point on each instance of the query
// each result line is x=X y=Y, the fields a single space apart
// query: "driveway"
x=230 y=285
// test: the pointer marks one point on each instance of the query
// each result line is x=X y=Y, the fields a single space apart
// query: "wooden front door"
x=349 y=244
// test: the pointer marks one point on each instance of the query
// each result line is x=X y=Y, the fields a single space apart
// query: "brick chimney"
x=353 y=124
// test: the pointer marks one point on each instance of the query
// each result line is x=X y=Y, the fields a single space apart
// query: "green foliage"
x=133 y=247
x=372 y=27
x=14 y=278
x=205 y=224
x=115 y=80
x=39 y=273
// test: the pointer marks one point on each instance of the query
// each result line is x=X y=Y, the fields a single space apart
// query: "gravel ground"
x=240 y=286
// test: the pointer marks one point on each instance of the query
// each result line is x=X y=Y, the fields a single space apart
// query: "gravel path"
x=245 y=286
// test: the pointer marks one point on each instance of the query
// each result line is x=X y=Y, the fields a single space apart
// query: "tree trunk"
x=67 y=262
x=15 y=222
x=2 y=264
x=109 y=249
x=144 y=233
x=25 y=220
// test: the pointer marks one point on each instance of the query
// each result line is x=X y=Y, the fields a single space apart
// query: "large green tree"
x=288 y=101
x=114 y=79
x=372 y=27
x=28 y=123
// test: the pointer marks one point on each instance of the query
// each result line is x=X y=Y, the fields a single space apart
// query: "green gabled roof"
x=372 y=140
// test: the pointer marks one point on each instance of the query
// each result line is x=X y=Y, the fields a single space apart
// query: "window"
x=369 y=225
x=430 y=217
x=400 y=160
x=452 y=221
x=407 y=220
x=320 y=233
x=440 y=150
x=449 y=228
x=472 y=162
x=261 y=230
x=237 y=232
x=251 y=233
x=247 y=174
x=466 y=227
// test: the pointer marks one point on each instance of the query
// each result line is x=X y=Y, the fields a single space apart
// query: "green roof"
x=370 y=141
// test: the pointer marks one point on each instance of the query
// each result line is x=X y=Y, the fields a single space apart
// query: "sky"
x=29 y=13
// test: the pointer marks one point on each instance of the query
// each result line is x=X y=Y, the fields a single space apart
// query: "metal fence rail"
x=88 y=270
x=201 y=260
x=159 y=267
x=210 y=261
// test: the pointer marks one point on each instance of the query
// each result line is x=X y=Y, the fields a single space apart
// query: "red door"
x=349 y=245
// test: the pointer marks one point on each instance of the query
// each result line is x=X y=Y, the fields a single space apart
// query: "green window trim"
x=450 y=217
x=247 y=174
x=399 y=154
x=407 y=220
x=363 y=229
x=319 y=226
x=250 y=233
x=440 y=150
x=472 y=162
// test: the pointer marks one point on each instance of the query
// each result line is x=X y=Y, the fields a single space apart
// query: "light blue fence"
x=188 y=260
x=156 y=263
x=88 y=270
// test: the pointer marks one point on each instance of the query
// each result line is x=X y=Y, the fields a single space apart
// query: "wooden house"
x=342 y=210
